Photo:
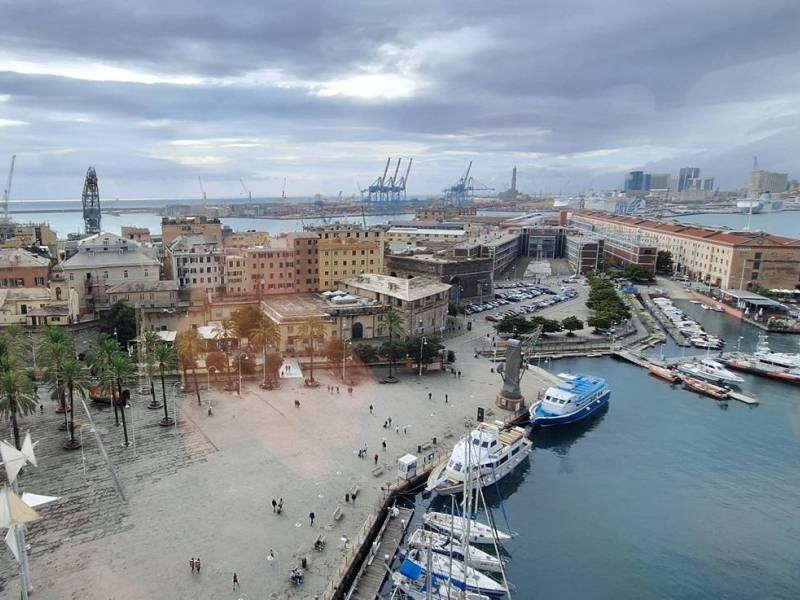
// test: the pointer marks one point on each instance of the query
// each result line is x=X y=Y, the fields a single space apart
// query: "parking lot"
x=524 y=298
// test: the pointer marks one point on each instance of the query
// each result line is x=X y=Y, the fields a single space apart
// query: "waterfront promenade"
x=204 y=489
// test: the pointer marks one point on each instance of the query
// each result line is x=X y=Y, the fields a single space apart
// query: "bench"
x=354 y=491
x=377 y=471
x=449 y=433
x=426 y=446
x=338 y=514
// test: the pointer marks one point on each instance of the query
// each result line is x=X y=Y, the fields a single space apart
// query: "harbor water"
x=667 y=494
x=779 y=223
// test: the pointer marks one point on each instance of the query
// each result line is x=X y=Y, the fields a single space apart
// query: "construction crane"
x=202 y=188
x=7 y=190
x=246 y=191
x=339 y=197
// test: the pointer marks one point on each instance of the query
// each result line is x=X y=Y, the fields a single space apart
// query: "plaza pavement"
x=204 y=488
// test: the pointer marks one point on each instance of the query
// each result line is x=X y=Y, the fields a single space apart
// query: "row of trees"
x=606 y=304
x=519 y=324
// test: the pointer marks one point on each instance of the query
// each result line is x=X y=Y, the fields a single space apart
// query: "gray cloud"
x=574 y=93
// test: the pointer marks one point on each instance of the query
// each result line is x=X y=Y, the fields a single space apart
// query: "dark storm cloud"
x=575 y=93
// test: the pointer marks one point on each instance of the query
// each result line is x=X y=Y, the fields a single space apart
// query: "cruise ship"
x=574 y=398
x=764 y=204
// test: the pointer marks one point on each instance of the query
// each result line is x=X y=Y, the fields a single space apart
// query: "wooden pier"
x=374 y=570
x=676 y=335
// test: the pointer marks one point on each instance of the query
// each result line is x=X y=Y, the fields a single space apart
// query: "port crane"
x=463 y=191
x=388 y=189
x=7 y=190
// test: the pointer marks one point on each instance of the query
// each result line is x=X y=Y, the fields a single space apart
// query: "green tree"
x=226 y=332
x=149 y=341
x=514 y=324
x=76 y=379
x=274 y=363
x=312 y=331
x=664 y=262
x=548 y=325
x=122 y=370
x=394 y=329
x=638 y=274
x=264 y=333
x=100 y=364
x=572 y=324
x=16 y=394
x=244 y=319
x=334 y=351
x=56 y=349
x=366 y=353
x=190 y=346
x=121 y=323
x=166 y=359
x=423 y=348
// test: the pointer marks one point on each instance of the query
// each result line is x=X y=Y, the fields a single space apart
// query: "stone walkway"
x=205 y=487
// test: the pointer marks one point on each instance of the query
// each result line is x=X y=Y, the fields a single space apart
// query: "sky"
x=574 y=93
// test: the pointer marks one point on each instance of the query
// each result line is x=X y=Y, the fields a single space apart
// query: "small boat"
x=444 y=568
x=702 y=341
x=664 y=373
x=705 y=388
x=710 y=370
x=695 y=302
x=441 y=544
x=705 y=307
x=572 y=399
x=717 y=308
x=782 y=359
x=479 y=533
x=494 y=451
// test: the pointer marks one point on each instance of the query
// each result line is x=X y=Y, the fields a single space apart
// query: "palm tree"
x=167 y=360
x=394 y=327
x=226 y=331
x=57 y=348
x=75 y=378
x=265 y=333
x=122 y=370
x=16 y=393
x=100 y=364
x=312 y=330
x=150 y=340
x=190 y=346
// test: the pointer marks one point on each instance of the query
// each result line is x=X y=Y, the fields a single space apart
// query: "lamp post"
x=422 y=342
x=239 y=390
x=345 y=343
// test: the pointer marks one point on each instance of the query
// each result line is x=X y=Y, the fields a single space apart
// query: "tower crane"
x=202 y=188
x=7 y=190
x=246 y=191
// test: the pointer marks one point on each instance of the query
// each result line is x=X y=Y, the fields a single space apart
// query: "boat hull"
x=540 y=420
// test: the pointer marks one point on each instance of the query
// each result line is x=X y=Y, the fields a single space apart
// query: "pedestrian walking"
x=397 y=429
x=274 y=505
x=430 y=396
x=191 y=564
x=385 y=424
x=337 y=389
x=445 y=399
x=383 y=443
x=347 y=497
x=311 y=516
x=350 y=390
x=235 y=581
x=371 y=408
x=376 y=459
x=405 y=429
x=41 y=409
x=297 y=403
x=197 y=564
x=271 y=555
x=280 y=506
x=390 y=421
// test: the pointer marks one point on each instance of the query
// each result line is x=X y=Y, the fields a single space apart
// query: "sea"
x=667 y=494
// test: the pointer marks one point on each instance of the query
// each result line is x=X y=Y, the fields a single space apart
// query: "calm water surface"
x=666 y=495
x=780 y=223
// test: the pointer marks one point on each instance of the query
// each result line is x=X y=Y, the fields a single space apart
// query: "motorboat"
x=479 y=533
x=705 y=388
x=664 y=373
x=443 y=569
x=494 y=452
x=443 y=544
x=572 y=399
x=749 y=364
x=708 y=369
x=701 y=341
x=781 y=359
x=717 y=308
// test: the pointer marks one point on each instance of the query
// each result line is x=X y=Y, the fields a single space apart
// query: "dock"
x=640 y=360
x=375 y=569
x=673 y=332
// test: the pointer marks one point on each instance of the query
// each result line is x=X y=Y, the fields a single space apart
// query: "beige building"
x=726 y=259
x=36 y=306
x=306 y=260
x=420 y=301
x=345 y=250
x=32 y=234
x=140 y=235
x=160 y=305
x=103 y=260
x=173 y=227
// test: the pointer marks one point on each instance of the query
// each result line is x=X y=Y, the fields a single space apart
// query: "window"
x=125 y=273
x=72 y=276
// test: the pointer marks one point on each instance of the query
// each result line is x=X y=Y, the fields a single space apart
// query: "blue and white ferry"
x=573 y=398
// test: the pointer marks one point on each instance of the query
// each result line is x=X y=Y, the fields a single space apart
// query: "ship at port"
x=763 y=204
x=574 y=398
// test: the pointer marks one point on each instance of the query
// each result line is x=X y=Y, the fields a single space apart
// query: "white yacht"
x=781 y=359
x=709 y=369
x=443 y=569
x=493 y=453
x=442 y=544
x=764 y=204
x=479 y=533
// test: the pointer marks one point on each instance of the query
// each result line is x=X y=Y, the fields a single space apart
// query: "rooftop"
x=188 y=243
x=17 y=257
x=425 y=231
x=284 y=307
x=126 y=287
x=752 y=298
x=412 y=289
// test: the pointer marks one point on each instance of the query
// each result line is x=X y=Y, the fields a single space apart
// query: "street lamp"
x=422 y=342
x=345 y=343
x=239 y=390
